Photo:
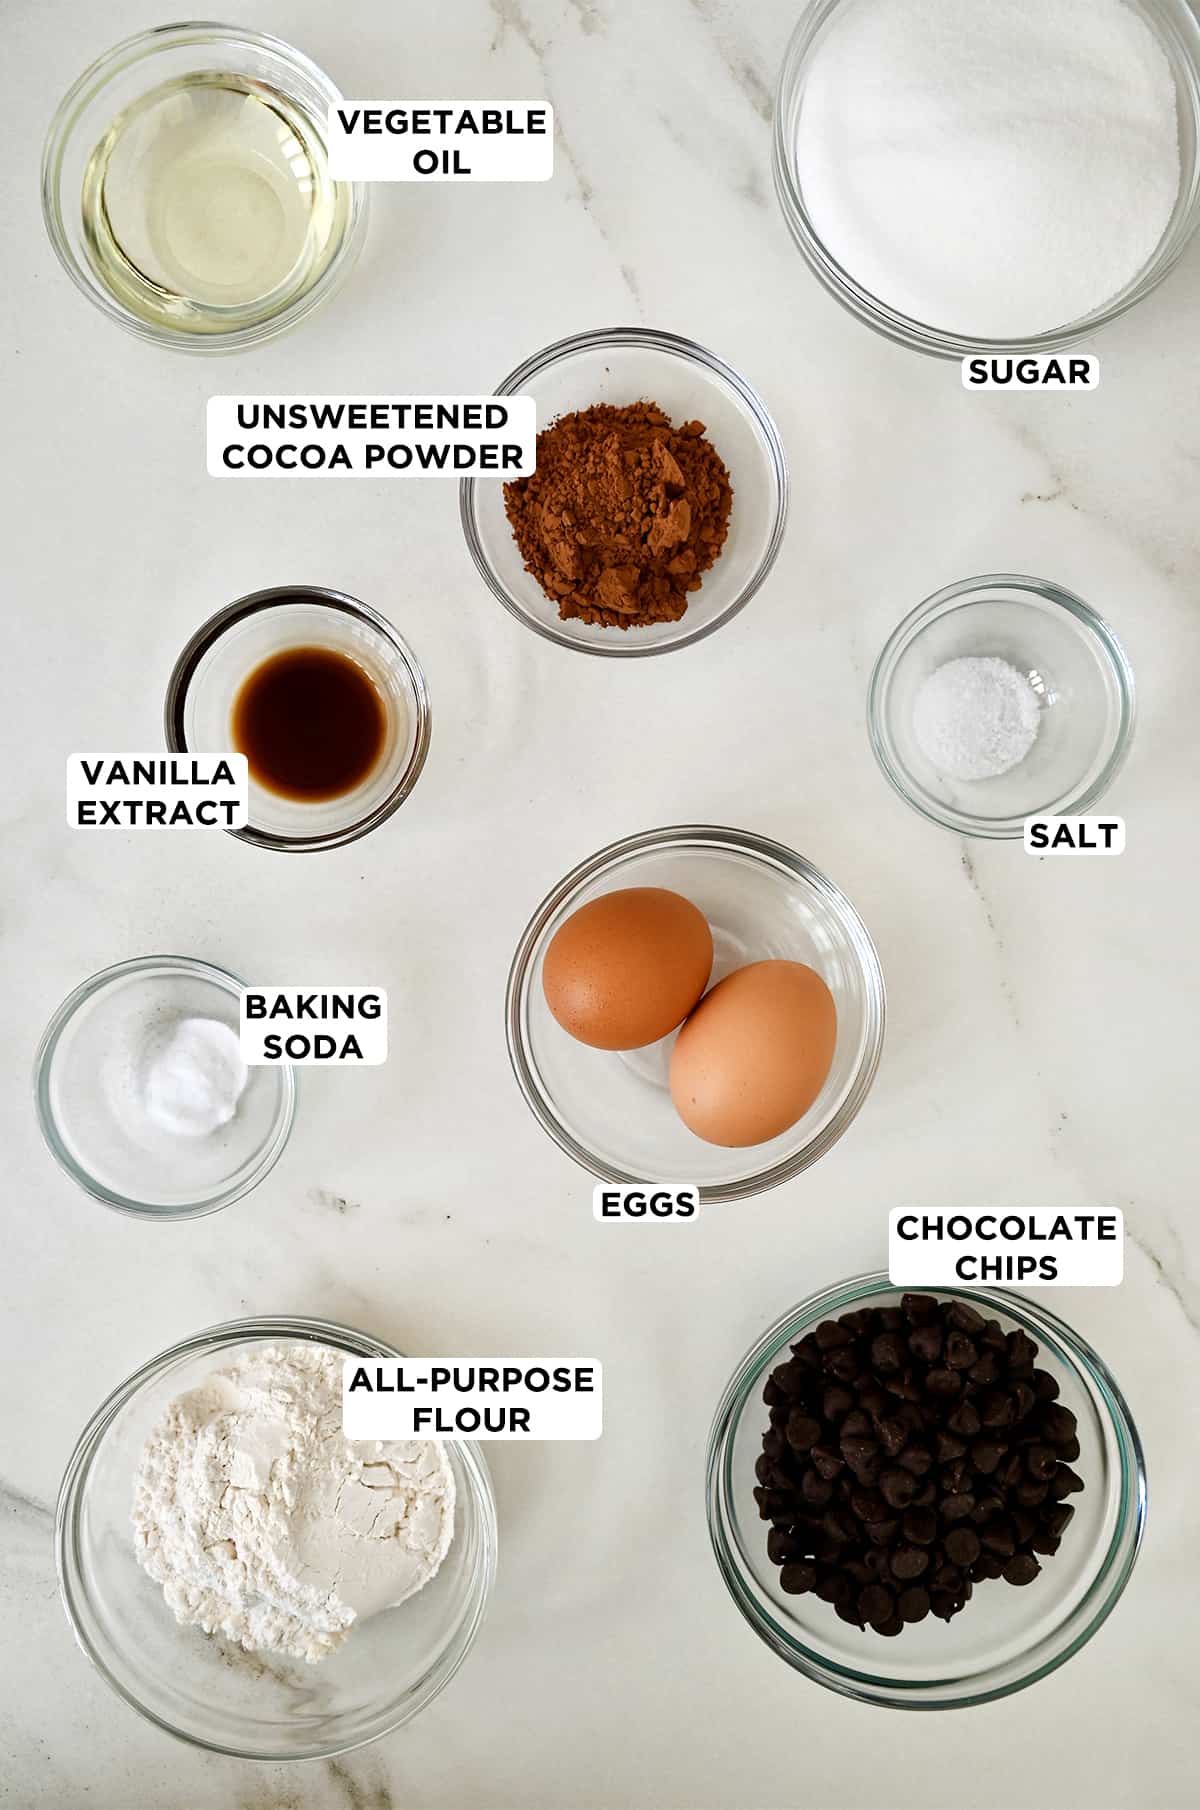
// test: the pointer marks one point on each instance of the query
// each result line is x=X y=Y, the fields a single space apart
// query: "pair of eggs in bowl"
x=752 y=1053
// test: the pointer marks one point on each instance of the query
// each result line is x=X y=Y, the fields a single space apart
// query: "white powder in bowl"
x=994 y=168
x=262 y=1522
x=976 y=718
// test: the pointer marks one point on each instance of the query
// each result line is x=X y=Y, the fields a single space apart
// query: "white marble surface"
x=1041 y=1042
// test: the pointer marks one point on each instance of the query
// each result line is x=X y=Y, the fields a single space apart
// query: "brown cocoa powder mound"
x=622 y=515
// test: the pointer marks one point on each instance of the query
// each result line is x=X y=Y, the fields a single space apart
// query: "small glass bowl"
x=611 y=1110
x=1005 y=1638
x=619 y=366
x=202 y=1687
x=1174 y=25
x=1075 y=664
x=80 y=1082
x=208 y=675
x=121 y=77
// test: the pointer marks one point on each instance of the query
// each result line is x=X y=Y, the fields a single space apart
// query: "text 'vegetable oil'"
x=208 y=204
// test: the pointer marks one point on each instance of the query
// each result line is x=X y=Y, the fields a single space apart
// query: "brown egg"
x=627 y=968
x=754 y=1054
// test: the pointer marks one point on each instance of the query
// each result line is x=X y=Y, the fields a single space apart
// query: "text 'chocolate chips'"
x=913 y=1451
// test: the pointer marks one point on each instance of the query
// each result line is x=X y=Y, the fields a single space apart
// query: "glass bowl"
x=622 y=365
x=611 y=1110
x=209 y=673
x=1005 y=1638
x=81 y=1092
x=1177 y=30
x=1077 y=667
x=123 y=77
x=202 y=1687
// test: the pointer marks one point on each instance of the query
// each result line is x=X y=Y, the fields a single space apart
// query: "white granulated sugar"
x=993 y=168
x=263 y=1523
x=976 y=718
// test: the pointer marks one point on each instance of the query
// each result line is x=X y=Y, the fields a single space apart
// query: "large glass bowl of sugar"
x=969 y=176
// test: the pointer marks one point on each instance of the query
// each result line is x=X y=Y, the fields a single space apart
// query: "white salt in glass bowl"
x=1173 y=23
x=1005 y=1638
x=1077 y=668
x=622 y=365
x=611 y=1110
x=203 y=1688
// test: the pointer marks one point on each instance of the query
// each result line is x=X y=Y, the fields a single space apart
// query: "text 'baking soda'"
x=310 y=1026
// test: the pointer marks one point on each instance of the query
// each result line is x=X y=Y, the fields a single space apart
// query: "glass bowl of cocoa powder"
x=659 y=502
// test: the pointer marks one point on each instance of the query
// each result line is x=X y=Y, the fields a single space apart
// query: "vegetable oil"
x=208 y=205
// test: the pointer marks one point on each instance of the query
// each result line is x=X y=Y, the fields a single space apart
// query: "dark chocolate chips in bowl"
x=913 y=1451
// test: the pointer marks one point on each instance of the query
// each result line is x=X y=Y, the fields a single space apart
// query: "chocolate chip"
x=909 y=1562
x=1056 y=1516
x=996 y=1410
x=830 y=1335
x=962 y=1546
x=802 y=1430
x=965 y=1420
x=942 y=1382
x=997 y=1536
x=958 y=1507
x=897 y=1487
x=948 y=1448
x=925 y=1343
x=920 y=1525
x=1045 y=1386
x=1041 y=1462
x=964 y=1318
x=826 y=1462
x=918 y=1308
x=916 y=1459
x=797 y=1580
x=961 y=1351
x=1022 y=1568
x=913 y=1604
x=876 y=1603
x=887 y=1353
x=836 y=1402
x=815 y=1489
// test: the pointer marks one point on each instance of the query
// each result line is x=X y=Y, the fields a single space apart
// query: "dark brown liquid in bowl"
x=311 y=724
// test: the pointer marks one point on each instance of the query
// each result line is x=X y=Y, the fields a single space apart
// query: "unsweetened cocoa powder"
x=623 y=514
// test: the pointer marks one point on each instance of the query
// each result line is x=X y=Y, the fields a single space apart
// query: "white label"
x=1074 y=835
x=470 y=1398
x=157 y=791
x=470 y=141
x=1038 y=1247
x=313 y=1026
x=1021 y=372
x=646 y=1205
x=372 y=436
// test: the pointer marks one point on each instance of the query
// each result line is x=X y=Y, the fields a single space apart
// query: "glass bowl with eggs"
x=695 y=1005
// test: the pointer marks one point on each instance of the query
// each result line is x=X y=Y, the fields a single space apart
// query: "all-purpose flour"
x=994 y=168
x=263 y=1523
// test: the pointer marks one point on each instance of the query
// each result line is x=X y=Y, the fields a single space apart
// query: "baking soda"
x=995 y=168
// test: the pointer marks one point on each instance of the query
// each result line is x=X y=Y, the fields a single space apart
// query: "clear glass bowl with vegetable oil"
x=186 y=187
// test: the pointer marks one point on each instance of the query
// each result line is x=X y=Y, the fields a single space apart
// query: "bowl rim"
x=138 y=47
x=673 y=345
x=256 y=602
x=716 y=839
x=962 y=594
x=1105 y=1588
x=43 y=1061
x=226 y=1336
x=1177 y=30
